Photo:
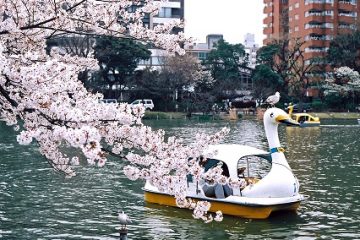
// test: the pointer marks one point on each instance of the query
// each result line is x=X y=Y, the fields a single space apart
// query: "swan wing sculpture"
x=280 y=181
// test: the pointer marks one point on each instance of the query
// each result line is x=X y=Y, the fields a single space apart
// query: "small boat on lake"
x=304 y=119
x=258 y=197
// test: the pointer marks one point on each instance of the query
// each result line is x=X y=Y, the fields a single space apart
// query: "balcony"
x=310 y=55
x=268 y=30
x=317 y=18
x=313 y=12
x=347 y=7
x=268 y=20
x=347 y=13
x=346 y=20
x=318 y=24
x=349 y=2
x=316 y=37
x=319 y=5
x=268 y=9
x=319 y=31
x=308 y=2
x=316 y=49
x=350 y=25
x=316 y=46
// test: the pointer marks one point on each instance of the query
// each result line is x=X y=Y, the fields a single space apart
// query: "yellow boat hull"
x=239 y=210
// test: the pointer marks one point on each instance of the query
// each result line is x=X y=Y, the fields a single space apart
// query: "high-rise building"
x=251 y=48
x=316 y=22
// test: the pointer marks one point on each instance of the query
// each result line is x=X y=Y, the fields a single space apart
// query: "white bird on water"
x=273 y=99
x=124 y=219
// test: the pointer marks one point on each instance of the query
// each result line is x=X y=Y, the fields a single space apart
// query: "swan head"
x=274 y=116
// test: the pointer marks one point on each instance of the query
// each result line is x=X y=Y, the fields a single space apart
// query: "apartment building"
x=169 y=11
x=251 y=48
x=201 y=50
x=316 y=22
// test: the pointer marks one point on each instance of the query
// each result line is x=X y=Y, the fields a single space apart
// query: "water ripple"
x=37 y=203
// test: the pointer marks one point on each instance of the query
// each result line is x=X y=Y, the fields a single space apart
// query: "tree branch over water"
x=41 y=96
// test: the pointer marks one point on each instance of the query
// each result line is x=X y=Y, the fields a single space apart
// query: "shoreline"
x=155 y=115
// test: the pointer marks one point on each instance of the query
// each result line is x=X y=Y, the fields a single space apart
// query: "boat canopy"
x=231 y=153
x=302 y=117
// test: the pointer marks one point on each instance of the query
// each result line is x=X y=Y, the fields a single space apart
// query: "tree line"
x=282 y=66
x=184 y=84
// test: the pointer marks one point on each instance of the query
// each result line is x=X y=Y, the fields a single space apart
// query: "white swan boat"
x=278 y=190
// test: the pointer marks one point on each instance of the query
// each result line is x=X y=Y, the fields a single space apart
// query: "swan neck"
x=271 y=131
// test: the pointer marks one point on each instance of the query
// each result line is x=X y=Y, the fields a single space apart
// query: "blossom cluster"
x=343 y=81
x=41 y=96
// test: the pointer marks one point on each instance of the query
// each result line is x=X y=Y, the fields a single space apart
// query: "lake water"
x=37 y=203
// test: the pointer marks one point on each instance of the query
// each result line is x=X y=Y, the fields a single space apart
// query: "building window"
x=328 y=25
x=202 y=55
x=319 y=13
x=296 y=5
x=316 y=49
x=347 y=14
x=175 y=13
x=319 y=37
x=347 y=26
x=290 y=8
x=353 y=2
x=319 y=25
x=164 y=12
x=296 y=17
x=296 y=29
x=318 y=1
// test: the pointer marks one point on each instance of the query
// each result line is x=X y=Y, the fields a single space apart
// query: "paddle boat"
x=277 y=190
x=304 y=119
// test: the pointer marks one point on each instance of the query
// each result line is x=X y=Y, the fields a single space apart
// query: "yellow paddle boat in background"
x=304 y=119
x=276 y=190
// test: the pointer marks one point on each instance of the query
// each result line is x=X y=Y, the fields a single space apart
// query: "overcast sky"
x=232 y=18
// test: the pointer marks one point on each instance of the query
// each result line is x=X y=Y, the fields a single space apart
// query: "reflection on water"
x=36 y=203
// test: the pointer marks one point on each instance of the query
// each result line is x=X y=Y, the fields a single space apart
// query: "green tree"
x=118 y=59
x=226 y=63
x=174 y=82
x=344 y=50
x=286 y=58
x=265 y=81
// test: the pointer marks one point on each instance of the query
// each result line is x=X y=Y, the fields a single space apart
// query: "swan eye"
x=271 y=115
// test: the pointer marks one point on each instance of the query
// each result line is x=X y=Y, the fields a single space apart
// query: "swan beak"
x=287 y=120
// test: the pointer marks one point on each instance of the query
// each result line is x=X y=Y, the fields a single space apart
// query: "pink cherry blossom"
x=40 y=92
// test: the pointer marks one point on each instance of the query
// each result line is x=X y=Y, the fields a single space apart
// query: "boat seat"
x=217 y=190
